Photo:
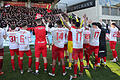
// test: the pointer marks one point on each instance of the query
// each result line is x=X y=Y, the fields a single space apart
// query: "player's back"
x=40 y=34
x=12 y=40
x=23 y=39
x=77 y=36
x=86 y=36
x=59 y=36
x=94 y=36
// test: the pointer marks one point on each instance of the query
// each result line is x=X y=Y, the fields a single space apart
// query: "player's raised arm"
x=5 y=35
x=64 y=22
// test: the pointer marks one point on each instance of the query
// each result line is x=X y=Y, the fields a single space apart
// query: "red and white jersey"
x=113 y=33
x=86 y=36
x=40 y=34
x=2 y=33
x=12 y=40
x=24 y=37
x=58 y=36
x=77 y=36
x=94 y=36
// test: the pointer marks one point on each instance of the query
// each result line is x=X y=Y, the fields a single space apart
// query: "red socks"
x=81 y=67
x=88 y=57
x=30 y=62
x=37 y=65
x=63 y=67
x=53 y=70
x=75 y=68
x=13 y=64
x=58 y=59
x=104 y=59
x=1 y=64
x=98 y=60
x=66 y=57
x=114 y=53
x=21 y=64
x=45 y=65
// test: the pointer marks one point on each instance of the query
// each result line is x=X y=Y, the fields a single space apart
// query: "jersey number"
x=87 y=36
x=115 y=34
x=77 y=36
x=12 y=38
x=59 y=36
x=21 y=38
x=96 y=34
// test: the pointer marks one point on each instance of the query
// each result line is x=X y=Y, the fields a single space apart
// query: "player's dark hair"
x=13 y=27
x=99 y=25
x=24 y=24
x=59 y=22
x=95 y=23
x=77 y=24
x=74 y=21
x=116 y=25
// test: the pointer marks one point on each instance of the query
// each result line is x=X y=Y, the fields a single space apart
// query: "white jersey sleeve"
x=2 y=33
x=94 y=36
x=12 y=40
x=77 y=36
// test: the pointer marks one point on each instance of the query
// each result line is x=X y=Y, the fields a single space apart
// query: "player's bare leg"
x=37 y=65
x=53 y=68
x=45 y=64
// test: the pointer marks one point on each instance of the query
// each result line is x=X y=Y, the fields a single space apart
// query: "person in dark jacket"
x=102 y=44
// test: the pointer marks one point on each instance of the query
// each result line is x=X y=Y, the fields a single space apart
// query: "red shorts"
x=57 y=52
x=13 y=51
x=1 y=52
x=39 y=50
x=112 y=44
x=86 y=46
x=28 y=53
x=94 y=49
x=65 y=47
x=77 y=53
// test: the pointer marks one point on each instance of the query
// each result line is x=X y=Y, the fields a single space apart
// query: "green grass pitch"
x=110 y=72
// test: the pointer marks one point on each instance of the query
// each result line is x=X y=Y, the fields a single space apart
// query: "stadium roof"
x=35 y=1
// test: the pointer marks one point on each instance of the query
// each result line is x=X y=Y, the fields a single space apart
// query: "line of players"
x=73 y=34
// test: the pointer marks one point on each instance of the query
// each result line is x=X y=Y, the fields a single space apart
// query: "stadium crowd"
x=14 y=15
